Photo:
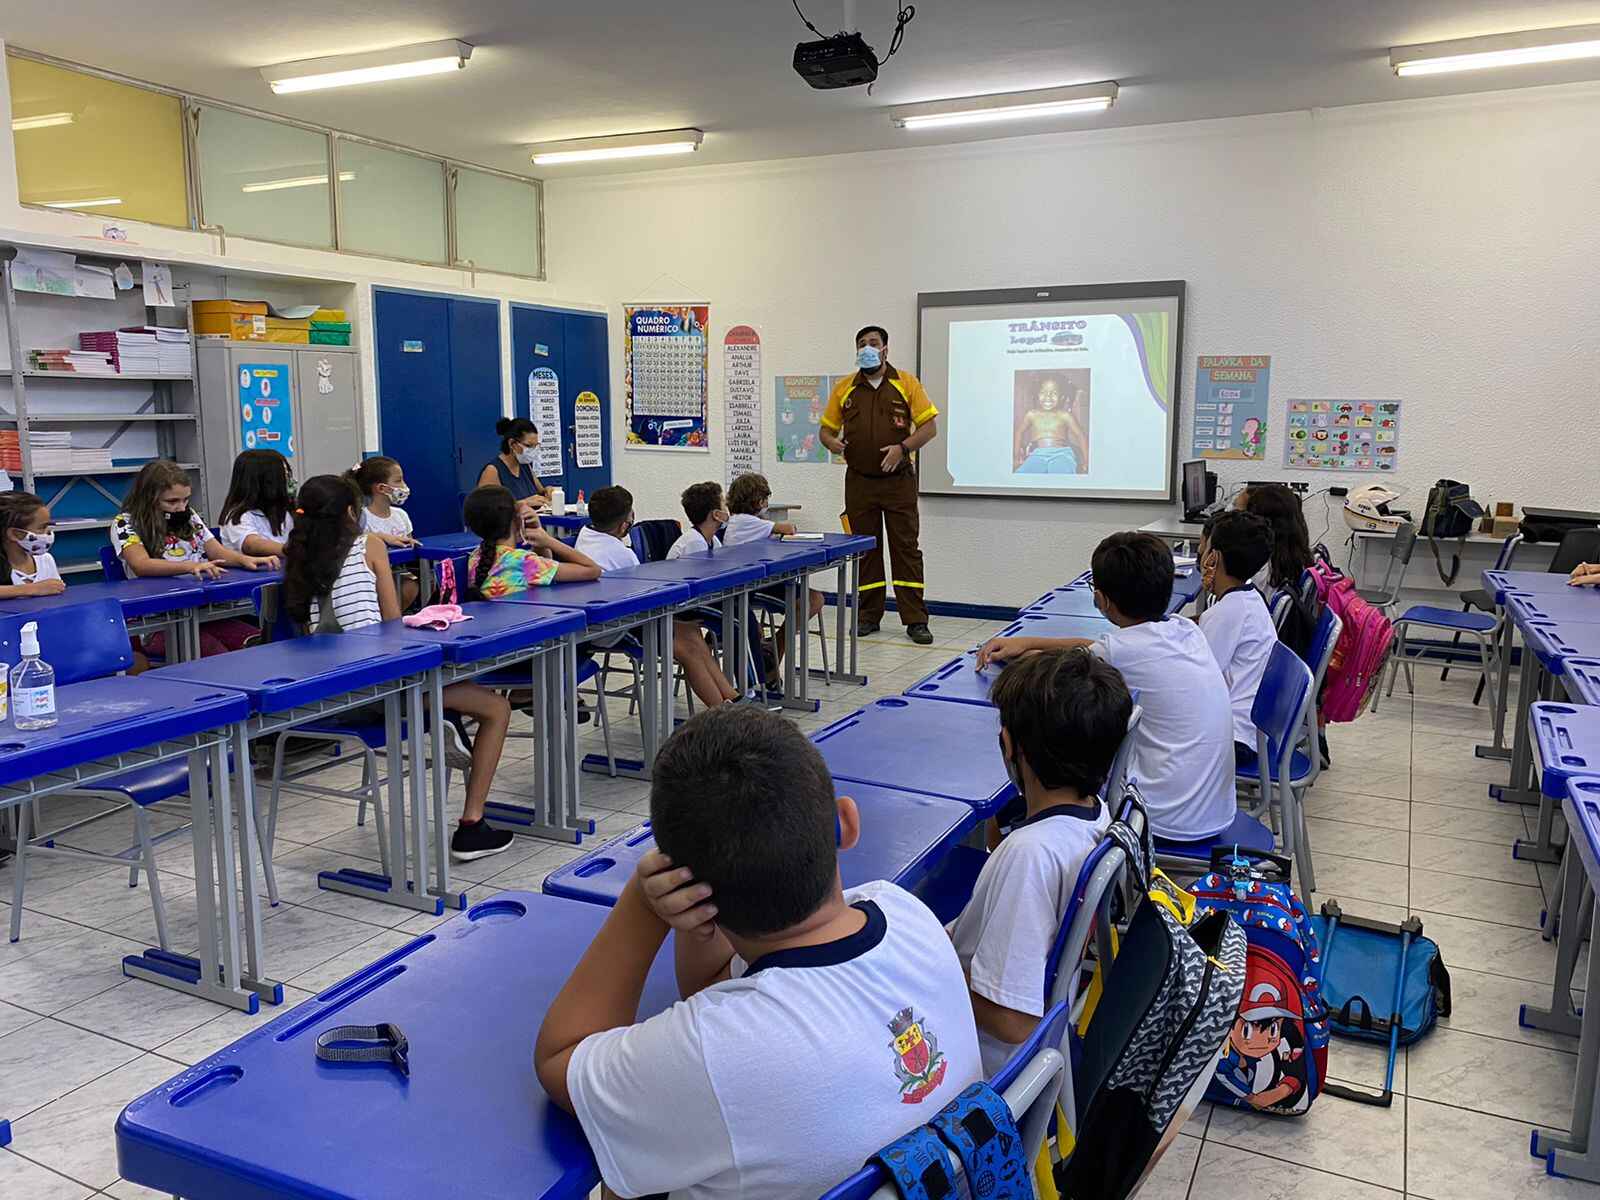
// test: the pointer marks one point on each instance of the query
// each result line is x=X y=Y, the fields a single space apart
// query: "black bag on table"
x=1450 y=513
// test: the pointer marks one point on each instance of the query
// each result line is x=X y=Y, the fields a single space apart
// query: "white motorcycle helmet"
x=1367 y=510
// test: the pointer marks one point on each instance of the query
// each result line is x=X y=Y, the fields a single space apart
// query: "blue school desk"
x=1065 y=602
x=845 y=552
x=1583 y=680
x=917 y=745
x=314 y=679
x=789 y=565
x=617 y=603
x=107 y=727
x=148 y=605
x=1564 y=740
x=961 y=681
x=1577 y=606
x=904 y=837
x=714 y=578
x=1575 y=1152
x=539 y=644
x=265 y=1119
x=1500 y=584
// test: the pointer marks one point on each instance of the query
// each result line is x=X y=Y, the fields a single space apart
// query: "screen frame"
x=1182 y=480
x=1160 y=289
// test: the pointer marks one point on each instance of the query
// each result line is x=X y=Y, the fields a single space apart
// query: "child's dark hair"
x=491 y=513
x=16 y=510
x=370 y=472
x=700 y=500
x=327 y=521
x=749 y=494
x=513 y=429
x=1066 y=712
x=741 y=798
x=609 y=507
x=1291 y=540
x=260 y=483
x=1134 y=572
x=1244 y=541
x=143 y=501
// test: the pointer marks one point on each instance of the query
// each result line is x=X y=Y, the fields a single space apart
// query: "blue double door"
x=573 y=346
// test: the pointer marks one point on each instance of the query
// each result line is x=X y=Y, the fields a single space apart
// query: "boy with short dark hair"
x=1182 y=756
x=817 y=1025
x=748 y=497
x=703 y=505
x=1237 y=625
x=1063 y=713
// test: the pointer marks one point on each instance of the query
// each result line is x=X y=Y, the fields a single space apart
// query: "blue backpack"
x=1359 y=979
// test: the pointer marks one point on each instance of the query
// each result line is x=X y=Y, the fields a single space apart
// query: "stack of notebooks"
x=134 y=351
x=53 y=454
x=88 y=361
x=172 y=349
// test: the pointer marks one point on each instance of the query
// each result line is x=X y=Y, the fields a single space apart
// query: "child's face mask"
x=36 y=543
x=398 y=493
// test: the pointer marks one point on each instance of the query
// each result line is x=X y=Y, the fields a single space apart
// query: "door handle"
x=460 y=455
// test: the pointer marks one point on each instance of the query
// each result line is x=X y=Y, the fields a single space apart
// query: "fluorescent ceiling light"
x=1501 y=50
x=99 y=202
x=43 y=121
x=623 y=145
x=1009 y=106
x=277 y=185
x=343 y=70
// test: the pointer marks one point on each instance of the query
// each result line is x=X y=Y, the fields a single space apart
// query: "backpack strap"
x=447 y=581
x=979 y=1127
x=918 y=1165
x=1448 y=577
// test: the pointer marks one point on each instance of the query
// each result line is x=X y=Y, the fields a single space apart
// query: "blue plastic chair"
x=1482 y=628
x=1030 y=1082
x=1282 y=772
x=1117 y=777
x=90 y=641
x=111 y=566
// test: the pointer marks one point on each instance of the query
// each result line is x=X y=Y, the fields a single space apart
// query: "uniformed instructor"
x=877 y=419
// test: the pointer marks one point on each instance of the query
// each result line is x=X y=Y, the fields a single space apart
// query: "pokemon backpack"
x=1276 y=1057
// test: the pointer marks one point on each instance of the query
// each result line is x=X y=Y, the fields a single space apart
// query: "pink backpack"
x=1363 y=648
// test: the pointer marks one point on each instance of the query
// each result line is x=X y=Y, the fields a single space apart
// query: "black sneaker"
x=866 y=628
x=478 y=840
x=920 y=634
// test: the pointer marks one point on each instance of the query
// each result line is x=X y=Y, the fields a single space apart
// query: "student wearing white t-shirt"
x=383 y=489
x=257 y=516
x=1063 y=713
x=748 y=497
x=604 y=541
x=817 y=1025
x=703 y=505
x=25 y=528
x=1236 y=624
x=1182 y=756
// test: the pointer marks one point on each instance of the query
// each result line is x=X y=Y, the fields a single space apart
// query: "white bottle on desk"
x=33 y=684
x=558 y=502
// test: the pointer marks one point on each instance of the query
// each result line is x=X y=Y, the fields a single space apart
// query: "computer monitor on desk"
x=1199 y=491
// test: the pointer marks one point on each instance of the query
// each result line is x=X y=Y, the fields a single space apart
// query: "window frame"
x=453 y=170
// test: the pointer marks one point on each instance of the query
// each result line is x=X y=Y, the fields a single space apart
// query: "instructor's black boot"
x=865 y=628
x=920 y=634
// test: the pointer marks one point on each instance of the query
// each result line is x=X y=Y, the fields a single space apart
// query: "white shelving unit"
x=160 y=418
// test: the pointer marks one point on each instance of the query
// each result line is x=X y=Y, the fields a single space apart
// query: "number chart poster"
x=1343 y=435
x=1230 y=406
x=664 y=358
x=797 y=414
x=266 y=411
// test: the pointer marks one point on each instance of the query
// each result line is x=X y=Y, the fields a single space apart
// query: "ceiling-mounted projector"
x=843 y=60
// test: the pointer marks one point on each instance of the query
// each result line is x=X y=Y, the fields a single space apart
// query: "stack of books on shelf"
x=133 y=351
x=53 y=454
x=88 y=361
x=172 y=349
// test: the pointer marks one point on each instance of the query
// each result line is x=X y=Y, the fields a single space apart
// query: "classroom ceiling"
x=545 y=70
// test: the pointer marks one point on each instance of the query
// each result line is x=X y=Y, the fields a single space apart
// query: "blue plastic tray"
x=495 y=629
x=959 y=680
x=609 y=598
x=701 y=573
x=1566 y=742
x=138 y=597
x=903 y=838
x=283 y=675
x=101 y=717
x=266 y=1118
x=917 y=745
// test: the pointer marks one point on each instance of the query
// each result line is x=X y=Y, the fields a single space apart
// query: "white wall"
x=247 y=261
x=1439 y=252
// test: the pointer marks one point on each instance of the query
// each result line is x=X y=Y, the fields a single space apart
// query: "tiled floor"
x=1402 y=822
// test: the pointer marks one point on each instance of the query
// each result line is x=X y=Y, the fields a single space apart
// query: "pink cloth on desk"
x=436 y=616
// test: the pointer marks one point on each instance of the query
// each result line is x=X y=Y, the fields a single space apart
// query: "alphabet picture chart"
x=664 y=357
x=1343 y=435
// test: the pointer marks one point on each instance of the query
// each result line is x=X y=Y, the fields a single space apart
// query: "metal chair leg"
x=369 y=782
x=20 y=865
x=147 y=852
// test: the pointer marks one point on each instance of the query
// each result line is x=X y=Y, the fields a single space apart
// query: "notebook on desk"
x=800 y=537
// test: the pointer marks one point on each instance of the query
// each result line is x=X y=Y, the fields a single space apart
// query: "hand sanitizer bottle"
x=33 y=684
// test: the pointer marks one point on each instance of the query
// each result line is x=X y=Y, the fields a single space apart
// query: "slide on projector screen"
x=1070 y=396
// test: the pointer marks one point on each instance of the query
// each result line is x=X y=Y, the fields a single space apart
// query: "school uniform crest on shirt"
x=918 y=1064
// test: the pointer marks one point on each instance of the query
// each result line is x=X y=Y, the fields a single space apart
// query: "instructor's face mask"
x=37 y=543
x=869 y=358
x=527 y=455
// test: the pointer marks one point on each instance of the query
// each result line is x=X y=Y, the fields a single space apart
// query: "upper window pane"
x=90 y=145
x=390 y=203
x=497 y=223
x=261 y=179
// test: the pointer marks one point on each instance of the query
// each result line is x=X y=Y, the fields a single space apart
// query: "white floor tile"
x=46 y=1060
x=28 y=1181
x=76 y=1135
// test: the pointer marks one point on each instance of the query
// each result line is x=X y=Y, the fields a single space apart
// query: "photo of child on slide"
x=1050 y=419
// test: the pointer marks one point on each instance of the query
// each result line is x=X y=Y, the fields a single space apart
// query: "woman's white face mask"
x=527 y=455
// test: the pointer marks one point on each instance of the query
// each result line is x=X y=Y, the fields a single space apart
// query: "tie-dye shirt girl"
x=514 y=570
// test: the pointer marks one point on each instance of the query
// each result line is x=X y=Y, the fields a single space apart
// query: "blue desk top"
x=903 y=835
x=100 y=717
x=1553 y=642
x=237 y=583
x=495 y=629
x=1576 y=606
x=919 y=745
x=961 y=681
x=281 y=675
x=1497 y=583
x=266 y=1118
x=608 y=598
x=1582 y=809
x=448 y=545
x=138 y=597
x=1583 y=679
x=1072 y=601
x=783 y=556
x=1566 y=740
x=701 y=572
x=843 y=545
x=565 y=521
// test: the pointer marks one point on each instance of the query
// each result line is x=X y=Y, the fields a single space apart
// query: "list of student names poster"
x=664 y=360
x=741 y=400
x=1230 y=406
